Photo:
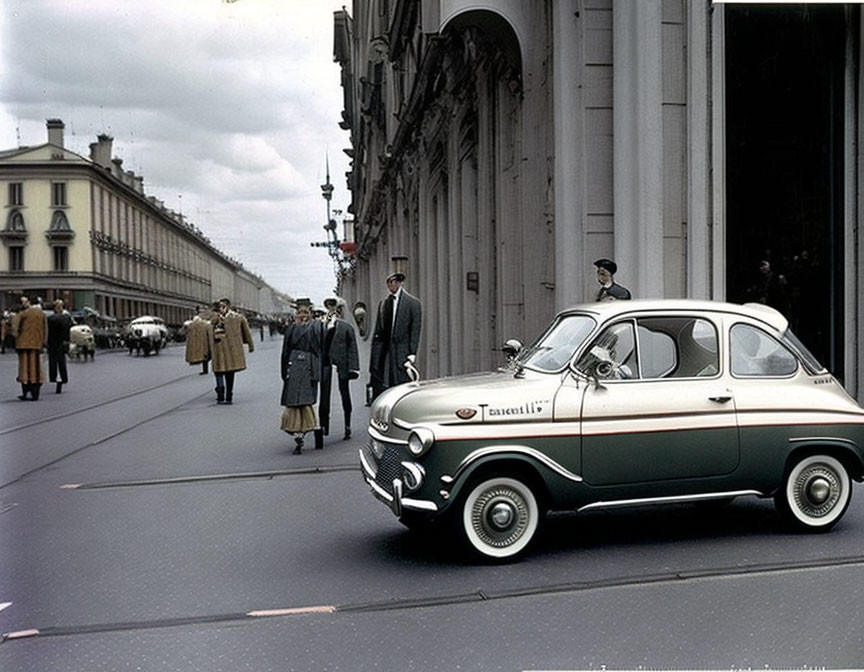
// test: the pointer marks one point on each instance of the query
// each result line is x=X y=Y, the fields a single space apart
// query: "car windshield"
x=556 y=346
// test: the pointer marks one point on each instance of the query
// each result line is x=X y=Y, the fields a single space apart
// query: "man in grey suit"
x=340 y=350
x=396 y=336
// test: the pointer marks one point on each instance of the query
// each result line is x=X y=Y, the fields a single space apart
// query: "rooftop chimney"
x=100 y=151
x=55 y=131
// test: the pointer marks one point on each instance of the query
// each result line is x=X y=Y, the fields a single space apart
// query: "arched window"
x=59 y=222
x=59 y=231
x=15 y=223
x=15 y=231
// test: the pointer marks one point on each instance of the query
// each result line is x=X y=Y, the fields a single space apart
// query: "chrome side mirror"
x=511 y=348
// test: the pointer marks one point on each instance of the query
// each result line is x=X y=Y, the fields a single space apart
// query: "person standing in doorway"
x=59 y=324
x=198 y=341
x=31 y=335
x=396 y=336
x=609 y=289
x=340 y=350
x=230 y=332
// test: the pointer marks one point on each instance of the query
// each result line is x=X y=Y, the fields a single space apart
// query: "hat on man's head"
x=396 y=276
x=608 y=264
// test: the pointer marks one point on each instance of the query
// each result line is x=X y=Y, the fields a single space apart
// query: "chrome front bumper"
x=395 y=501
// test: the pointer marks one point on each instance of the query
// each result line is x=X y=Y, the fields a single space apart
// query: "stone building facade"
x=499 y=148
x=83 y=229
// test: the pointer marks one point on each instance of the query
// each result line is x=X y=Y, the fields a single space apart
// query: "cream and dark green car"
x=617 y=404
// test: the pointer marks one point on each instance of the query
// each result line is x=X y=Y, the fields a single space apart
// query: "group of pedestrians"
x=312 y=349
x=218 y=335
x=34 y=331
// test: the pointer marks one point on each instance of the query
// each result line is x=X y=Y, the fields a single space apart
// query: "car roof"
x=605 y=310
x=147 y=318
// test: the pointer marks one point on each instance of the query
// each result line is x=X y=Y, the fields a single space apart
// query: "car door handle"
x=721 y=398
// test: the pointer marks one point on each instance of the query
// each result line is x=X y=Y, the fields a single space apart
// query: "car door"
x=658 y=408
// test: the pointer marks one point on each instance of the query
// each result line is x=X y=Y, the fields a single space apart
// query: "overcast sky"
x=227 y=110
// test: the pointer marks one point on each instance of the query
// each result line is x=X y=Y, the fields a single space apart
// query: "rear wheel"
x=815 y=493
x=500 y=517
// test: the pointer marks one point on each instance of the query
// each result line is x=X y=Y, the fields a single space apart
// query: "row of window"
x=60 y=254
x=16 y=194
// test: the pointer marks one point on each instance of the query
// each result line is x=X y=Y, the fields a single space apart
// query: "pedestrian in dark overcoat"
x=340 y=350
x=230 y=331
x=31 y=335
x=301 y=372
x=396 y=336
x=59 y=324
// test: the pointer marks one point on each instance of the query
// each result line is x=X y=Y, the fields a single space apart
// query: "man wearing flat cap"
x=609 y=289
x=396 y=336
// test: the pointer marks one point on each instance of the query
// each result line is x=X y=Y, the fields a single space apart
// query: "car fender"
x=845 y=450
x=511 y=460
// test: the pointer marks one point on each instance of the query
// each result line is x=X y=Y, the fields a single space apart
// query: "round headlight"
x=420 y=440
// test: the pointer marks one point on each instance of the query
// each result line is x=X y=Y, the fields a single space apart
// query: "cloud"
x=225 y=109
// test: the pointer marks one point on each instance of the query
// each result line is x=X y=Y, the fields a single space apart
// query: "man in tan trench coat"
x=230 y=331
x=31 y=335
x=198 y=341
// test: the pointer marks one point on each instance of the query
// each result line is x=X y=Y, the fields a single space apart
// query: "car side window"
x=613 y=355
x=678 y=347
x=755 y=353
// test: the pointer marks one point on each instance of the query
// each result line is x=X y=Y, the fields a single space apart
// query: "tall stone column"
x=569 y=142
x=638 y=144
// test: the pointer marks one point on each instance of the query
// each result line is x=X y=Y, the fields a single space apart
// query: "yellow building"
x=84 y=230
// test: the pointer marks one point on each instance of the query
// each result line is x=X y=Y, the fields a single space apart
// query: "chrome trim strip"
x=368 y=470
x=383 y=496
x=668 y=500
x=402 y=424
x=823 y=438
x=522 y=450
x=377 y=435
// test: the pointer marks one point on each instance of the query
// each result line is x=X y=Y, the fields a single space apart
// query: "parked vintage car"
x=82 y=342
x=618 y=404
x=146 y=334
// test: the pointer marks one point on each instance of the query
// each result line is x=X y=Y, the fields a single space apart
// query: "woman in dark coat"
x=301 y=371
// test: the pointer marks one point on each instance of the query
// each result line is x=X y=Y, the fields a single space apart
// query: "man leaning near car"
x=396 y=336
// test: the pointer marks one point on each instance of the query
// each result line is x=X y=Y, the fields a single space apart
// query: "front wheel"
x=815 y=493
x=500 y=517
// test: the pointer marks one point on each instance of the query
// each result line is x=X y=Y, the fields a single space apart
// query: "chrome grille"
x=389 y=467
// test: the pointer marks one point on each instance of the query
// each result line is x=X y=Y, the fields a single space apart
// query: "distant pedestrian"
x=230 y=331
x=340 y=350
x=59 y=325
x=31 y=335
x=198 y=341
x=609 y=289
x=396 y=337
x=770 y=288
x=301 y=372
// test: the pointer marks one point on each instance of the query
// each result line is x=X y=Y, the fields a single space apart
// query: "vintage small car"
x=619 y=404
x=146 y=334
x=82 y=342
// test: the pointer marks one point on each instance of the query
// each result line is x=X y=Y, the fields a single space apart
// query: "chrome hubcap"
x=501 y=515
x=817 y=490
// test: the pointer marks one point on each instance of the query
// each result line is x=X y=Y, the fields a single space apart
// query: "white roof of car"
x=610 y=309
x=147 y=319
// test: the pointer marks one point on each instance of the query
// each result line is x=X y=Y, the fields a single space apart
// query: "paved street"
x=143 y=527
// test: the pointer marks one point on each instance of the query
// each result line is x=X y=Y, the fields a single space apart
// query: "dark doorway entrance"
x=784 y=153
